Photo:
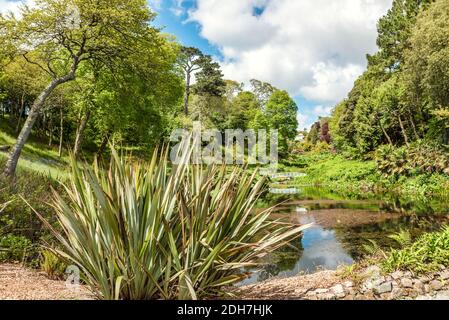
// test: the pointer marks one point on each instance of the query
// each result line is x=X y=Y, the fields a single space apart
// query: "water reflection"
x=342 y=228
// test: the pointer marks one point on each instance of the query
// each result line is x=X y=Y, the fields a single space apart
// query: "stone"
x=321 y=291
x=406 y=283
x=442 y=295
x=425 y=279
x=327 y=296
x=339 y=291
x=444 y=275
x=427 y=288
x=424 y=298
x=397 y=275
x=385 y=287
x=398 y=293
x=418 y=286
x=348 y=284
x=436 y=285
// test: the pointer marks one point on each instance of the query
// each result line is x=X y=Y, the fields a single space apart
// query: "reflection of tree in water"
x=283 y=259
x=354 y=238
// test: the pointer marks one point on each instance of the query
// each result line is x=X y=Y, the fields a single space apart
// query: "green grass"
x=36 y=156
x=361 y=178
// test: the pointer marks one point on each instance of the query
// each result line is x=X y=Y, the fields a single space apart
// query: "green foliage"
x=52 y=265
x=400 y=97
x=14 y=248
x=419 y=158
x=427 y=254
x=146 y=231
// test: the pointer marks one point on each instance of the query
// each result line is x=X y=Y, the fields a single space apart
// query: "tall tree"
x=190 y=60
x=64 y=34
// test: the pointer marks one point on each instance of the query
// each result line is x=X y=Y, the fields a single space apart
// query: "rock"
x=444 y=275
x=436 y=285
x=348 y=284
x=398 y=293
x=321 y=291
x=385 y=287
x=427 y=288
x=424 y=298
x=397 y=275
x=327 y=296
x=442 y=295
x=418 y=286
x=301 y=291
x=406 y=283
x=339 y=291
x=425 y=279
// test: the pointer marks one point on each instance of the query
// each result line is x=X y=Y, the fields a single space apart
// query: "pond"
x=342 y=229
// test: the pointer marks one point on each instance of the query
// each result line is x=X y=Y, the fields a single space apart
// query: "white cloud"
x=322 y=111
x=155 y=4
x=312 y=48
x=7 y=6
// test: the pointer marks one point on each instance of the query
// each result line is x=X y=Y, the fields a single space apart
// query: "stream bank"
x=367 y=284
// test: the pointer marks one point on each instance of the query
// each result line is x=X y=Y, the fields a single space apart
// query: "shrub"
x=148 y=230
x=52 y=265
x=14 y=248
x=419 y=158
x=428 y=253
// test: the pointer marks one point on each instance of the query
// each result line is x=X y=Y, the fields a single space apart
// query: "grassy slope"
x=361 y=177
x=36 y=156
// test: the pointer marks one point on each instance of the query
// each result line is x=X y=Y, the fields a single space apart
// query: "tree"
x=209 y=79
x=190 y=60
x=64 y=34
x=281 y=114
x=262 y=90
x=394 y=31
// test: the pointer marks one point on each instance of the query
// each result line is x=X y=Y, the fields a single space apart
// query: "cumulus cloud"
x=7 y=6
x=312 y=48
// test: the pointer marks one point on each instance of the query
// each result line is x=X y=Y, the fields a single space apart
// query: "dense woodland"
x=403 y=96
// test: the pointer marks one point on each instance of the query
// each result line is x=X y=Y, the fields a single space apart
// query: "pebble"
x=383 y=288
x=321 y=291
x=442 y=295
x=397 y=275
x=406 y=283
x=339 y=291
x=436 y=285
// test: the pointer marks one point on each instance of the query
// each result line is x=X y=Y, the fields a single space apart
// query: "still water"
x=342 y=229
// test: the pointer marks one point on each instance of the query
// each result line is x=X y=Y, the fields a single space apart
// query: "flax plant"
x=156 y=230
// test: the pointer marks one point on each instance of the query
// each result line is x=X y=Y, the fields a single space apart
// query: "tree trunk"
x=187 y=94
x=14 y=156
x=386 y=134
x=404 y=133
x=79 y=134
x=22 y=107
x=413 y=125
x=103 y=145
x=61 y=132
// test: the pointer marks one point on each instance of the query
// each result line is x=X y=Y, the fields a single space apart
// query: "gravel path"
x=18 y=283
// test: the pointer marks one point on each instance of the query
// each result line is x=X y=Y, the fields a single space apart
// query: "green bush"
x=17 y=218
x=14 y=248
x=427 y=254
x=420 y=158
x=151 y=231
